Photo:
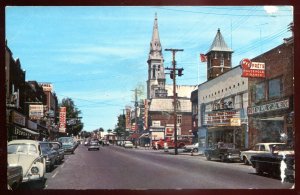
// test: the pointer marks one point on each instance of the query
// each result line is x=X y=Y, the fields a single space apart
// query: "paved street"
x=114 y=167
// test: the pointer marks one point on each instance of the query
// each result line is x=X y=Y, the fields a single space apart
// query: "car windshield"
x=45 y=148
x=94 y=143
x=65 y=140
x=22 y=148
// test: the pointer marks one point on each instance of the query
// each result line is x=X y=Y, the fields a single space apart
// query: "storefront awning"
x=144 y=135
x=30 y=131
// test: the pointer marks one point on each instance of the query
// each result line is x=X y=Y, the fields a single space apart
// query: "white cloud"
x=271 y=9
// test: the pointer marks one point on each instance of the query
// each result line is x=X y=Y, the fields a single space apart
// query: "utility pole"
x=173 y=76
x=135 y=113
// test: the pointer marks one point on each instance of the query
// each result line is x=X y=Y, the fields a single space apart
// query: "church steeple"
x=218 y=57
x=156 y=76
x=155 y=46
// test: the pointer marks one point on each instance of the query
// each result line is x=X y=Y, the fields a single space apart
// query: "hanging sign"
x=62 y=119
x=252 y=69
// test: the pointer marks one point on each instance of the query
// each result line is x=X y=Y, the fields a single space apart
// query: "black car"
x=279 y=163
x=222 y=151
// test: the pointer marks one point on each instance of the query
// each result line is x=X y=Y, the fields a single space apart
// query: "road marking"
x=54 y=174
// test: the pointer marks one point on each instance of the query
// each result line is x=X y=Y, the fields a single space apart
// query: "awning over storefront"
x=23 y=131
x=30 y=131
x=144 y=135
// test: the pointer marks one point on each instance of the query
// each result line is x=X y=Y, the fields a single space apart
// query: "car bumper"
x=233 y=157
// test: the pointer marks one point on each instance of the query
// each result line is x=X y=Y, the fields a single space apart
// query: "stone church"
x=160 y=96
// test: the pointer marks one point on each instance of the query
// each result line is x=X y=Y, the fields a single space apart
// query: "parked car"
x=50 y=155
x=128 y=144
x=68 y=144
x=14 y=176
x=259 y=148
x=222 y=151
x=58 y=147
x=280 y=162
x=191 y=148
x=28 y=155
x=94 y=145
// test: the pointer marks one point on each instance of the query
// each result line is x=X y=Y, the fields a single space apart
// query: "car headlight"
x=34 y=170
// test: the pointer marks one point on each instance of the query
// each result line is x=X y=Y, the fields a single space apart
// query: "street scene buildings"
x=239 y=105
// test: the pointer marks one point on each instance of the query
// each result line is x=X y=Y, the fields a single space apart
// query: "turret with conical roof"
x=156 y=76
x=218 y=57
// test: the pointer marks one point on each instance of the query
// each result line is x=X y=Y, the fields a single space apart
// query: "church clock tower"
x=156 y=76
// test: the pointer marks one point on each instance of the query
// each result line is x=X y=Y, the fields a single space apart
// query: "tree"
x=74 y=124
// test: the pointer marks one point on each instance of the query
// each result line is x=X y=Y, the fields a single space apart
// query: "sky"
x=98 y=55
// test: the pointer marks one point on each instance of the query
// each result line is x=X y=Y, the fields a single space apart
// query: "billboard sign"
x=252 y=69
x=62 y=119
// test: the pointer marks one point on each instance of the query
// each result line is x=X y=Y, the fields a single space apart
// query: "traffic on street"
x=117 y=167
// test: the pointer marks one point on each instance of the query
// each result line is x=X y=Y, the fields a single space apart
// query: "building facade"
x=222 y=108
x=271 y=99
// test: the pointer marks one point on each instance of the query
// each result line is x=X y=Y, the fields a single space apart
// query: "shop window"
x=260 y=91
x=275 y=88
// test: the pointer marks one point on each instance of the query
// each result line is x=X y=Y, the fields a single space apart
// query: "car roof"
x=271 y=143
x=20 y=141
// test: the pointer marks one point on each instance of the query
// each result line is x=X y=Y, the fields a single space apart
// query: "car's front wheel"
x=245 y=160
x=258 y=169
x=195 y=150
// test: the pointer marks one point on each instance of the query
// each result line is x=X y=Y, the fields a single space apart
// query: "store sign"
x=221 y=118
x=156 y=123
x=128 y=118
x=169 y=131
x=18 y=118
x=36 y=111
x=235 y=122
x=62 y=119
x=46 y=86
x=269 y=107
x=252 y=69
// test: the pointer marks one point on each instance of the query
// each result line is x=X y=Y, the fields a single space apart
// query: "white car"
x=128 y=144
x=259 y=148
x=28 y=155
x=191 y=148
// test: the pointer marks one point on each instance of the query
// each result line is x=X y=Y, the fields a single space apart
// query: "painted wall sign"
x=269 y=107
x=252 y=69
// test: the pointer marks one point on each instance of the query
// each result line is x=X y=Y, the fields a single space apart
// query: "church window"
x=215 y=55
x=154 y=68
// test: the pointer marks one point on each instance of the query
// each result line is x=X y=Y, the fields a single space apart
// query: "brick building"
x=271 y=99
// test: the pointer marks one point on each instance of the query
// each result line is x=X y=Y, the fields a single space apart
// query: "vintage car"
x=94 y=145
x=280 y=162
x=68 y=144
x=128 y=144
x=259 y=148
x=58 y=147
x=222 y=151
x=191 y=148
x=14 y=176
x=28 y=155
x=50 y=155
